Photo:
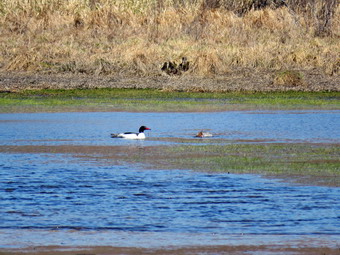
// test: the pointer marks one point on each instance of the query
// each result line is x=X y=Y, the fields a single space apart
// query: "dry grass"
x=134 y=38
x=289 y=78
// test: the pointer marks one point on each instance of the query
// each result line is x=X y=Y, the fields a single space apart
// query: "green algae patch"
x=152 y=100
x=319 y=162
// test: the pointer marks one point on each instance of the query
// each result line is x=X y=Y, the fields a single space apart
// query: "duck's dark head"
x=142 y=128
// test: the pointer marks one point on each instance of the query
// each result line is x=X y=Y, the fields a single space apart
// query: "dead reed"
x=135 y=37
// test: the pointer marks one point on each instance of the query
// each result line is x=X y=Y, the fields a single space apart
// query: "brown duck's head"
x=200 y=134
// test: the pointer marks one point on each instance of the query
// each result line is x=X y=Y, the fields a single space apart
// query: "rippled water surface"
x=62 y=200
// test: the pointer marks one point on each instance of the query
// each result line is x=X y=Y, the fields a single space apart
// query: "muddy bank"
x=237 y=80
x=240 y=250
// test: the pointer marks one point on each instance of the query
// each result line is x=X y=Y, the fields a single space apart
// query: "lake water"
x=57 y=199
x=95 y=128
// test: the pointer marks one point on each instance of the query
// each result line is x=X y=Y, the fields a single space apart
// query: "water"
x=95 y=128
x=58 y=199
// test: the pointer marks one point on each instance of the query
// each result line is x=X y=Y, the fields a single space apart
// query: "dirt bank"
x=240 y=250
x=238 y=80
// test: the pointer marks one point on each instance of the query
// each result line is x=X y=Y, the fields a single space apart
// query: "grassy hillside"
x=135 y=37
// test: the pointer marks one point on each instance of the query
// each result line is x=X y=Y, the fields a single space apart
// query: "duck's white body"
x=131 y=135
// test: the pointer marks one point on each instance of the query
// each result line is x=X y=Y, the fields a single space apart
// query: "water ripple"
x=70 y=195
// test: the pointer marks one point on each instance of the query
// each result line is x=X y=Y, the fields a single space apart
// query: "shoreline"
x=243 y=80
x=105 y=250
x=25 y=92
x=100 y=242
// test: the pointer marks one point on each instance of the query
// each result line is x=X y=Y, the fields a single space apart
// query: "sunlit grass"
x=133 y=37
x=157 y=100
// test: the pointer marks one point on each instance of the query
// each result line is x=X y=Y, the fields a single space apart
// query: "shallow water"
x=57 y=192
x=56 y=199
x=95 y=128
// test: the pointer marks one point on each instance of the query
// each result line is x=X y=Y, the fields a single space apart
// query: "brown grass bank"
x=284 y=44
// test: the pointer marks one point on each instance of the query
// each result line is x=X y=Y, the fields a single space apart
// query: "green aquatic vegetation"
x=305 y=160
x=158 y=100
x=312 y=163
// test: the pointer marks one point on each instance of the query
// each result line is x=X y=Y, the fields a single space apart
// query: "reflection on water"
x=62 y=200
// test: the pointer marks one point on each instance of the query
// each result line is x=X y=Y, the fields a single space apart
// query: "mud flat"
x=240 y=250
x=238 y=80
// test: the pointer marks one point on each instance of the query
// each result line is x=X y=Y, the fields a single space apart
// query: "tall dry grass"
x=135 y=37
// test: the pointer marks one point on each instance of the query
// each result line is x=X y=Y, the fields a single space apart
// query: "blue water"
x=59 y=199
x=95 y=128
